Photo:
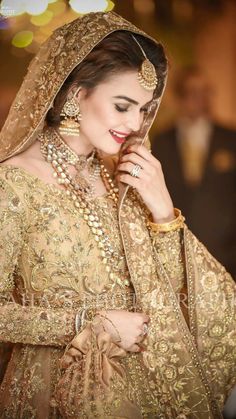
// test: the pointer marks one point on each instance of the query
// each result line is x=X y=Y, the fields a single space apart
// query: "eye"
x=121 y=108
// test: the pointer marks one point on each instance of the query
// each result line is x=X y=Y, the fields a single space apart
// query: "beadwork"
x=59 y=155
x=147 y=76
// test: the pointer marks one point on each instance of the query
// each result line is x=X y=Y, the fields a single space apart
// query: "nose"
x=134 y=120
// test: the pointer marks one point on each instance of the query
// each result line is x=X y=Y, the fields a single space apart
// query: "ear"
x=78 y=92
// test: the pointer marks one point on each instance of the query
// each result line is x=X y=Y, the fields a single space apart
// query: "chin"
x=110 y=150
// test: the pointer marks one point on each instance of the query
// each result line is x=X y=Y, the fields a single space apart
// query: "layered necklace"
x=61 y=156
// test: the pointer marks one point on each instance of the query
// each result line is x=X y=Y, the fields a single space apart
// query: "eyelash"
x=119 y=109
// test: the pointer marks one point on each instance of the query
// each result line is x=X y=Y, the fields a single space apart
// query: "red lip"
x=118 y=139
x=121 y=133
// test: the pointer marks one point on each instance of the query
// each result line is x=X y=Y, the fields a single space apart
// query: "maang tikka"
x=71 y=117
x=147 y=76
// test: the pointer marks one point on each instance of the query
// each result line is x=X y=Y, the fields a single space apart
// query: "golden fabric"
x=52 y=273
x=49 y=271
x=50 y=268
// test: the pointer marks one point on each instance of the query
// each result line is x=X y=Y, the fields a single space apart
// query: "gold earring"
x=71 y=117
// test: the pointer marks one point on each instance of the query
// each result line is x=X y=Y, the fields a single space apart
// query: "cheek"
x=100 y=116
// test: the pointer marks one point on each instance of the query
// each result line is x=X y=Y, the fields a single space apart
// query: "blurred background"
x=200 y=39
x=194 y=134
x=199 y=32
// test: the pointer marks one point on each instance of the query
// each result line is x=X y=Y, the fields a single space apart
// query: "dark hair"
x=114 y=54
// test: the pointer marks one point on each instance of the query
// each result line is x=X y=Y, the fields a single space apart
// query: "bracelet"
x=89 y=314
x=175 y=224
x=85 y=314
x=78 y=321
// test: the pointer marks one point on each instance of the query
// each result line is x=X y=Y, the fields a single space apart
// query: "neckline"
x=46 y=185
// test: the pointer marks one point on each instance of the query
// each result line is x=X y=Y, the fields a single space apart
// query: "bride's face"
x=113 y=111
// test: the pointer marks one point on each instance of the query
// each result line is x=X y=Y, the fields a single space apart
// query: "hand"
x=129 y=325
x=150 y=182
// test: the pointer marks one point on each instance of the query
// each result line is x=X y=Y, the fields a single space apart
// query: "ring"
x=145 y=329
x=135 y=171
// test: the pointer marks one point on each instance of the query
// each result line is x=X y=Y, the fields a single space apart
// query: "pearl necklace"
x=59 y=155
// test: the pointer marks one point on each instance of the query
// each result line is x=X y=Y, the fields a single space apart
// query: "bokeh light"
x=4 y=24
x=144 y=7
x=28 y=23
x=57 y=7
x=86 y=6
x=43 y=19
x=110 y=6
x=36 y=7
x=22 y=39
x=10 y=8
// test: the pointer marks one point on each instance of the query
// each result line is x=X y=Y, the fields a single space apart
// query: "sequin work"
x=50 y=267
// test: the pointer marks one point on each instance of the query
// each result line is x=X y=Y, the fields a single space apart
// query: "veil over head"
x=191 y=369
x=58 y=56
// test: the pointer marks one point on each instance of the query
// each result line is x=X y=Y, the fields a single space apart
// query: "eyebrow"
x=128 y=99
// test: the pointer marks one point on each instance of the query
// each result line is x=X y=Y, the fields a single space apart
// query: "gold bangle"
x=175 y=224
x=84 y=316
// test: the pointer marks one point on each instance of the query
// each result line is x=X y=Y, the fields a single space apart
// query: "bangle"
x=78 y=321
x=175 y=224
x=88 y=314
x=84 y=315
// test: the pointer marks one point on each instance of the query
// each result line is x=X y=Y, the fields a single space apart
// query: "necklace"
x=60 y=156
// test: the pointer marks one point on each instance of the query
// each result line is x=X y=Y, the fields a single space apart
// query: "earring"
x=71 y=116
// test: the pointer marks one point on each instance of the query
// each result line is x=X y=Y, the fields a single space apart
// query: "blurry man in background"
x=198 y=157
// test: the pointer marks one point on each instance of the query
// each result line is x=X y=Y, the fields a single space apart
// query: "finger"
x=129 y=180
x=140 y=338
x=134 y=348
x=128 y=167
x=142 y=346
x=135 y=159
x=145 y=318
x=147 y=168
x=142 y=151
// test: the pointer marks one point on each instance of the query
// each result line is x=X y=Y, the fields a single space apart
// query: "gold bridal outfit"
x=51 y=267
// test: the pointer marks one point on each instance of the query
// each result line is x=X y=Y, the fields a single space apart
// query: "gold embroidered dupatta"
x=194 y=368
x=191 y=369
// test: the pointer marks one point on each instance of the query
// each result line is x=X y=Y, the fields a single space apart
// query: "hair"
x=116 y=53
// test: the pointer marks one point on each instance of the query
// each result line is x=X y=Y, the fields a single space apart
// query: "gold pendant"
x=82 y=182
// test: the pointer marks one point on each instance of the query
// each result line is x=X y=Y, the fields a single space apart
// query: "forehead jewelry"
x=147 y=76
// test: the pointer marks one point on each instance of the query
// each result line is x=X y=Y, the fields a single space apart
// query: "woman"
x=90 y=273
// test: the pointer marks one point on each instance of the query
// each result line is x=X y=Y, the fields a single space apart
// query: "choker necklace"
x=60 y=156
